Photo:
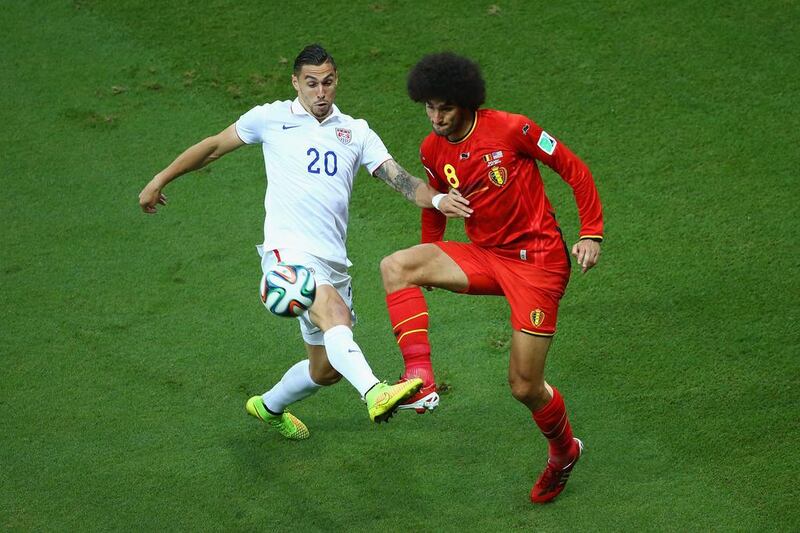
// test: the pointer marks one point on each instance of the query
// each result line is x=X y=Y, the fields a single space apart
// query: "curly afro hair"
x=449 y=77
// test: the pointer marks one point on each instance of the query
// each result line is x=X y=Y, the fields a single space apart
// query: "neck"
x=464 y=130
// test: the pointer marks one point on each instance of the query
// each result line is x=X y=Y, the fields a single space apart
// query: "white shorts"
x=325 y=273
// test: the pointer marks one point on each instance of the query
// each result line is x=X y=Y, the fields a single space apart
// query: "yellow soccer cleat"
x=383 y=399
x=286 y=423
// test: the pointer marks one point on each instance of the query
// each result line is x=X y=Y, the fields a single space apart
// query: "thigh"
x=333 y=304
x=330 y=309
x=427 y=265
x=475 y=266
x=324 y=272
x=533 y=294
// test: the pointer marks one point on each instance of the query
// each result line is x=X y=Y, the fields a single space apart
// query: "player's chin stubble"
x=442 y=132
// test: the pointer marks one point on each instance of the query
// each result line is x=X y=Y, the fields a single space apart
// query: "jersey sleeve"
x=434 y=223
x=250 y=126
x=374 y=153
x=533 y=141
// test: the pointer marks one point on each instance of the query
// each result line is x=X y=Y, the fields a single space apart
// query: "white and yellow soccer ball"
x=288 y=290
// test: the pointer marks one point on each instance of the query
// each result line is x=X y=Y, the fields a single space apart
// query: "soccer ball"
x=288 y=290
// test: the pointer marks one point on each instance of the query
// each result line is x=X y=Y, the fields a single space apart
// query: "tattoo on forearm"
x=406 y=184
x=398 y=179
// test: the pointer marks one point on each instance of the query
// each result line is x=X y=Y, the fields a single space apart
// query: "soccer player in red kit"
x=516 y=250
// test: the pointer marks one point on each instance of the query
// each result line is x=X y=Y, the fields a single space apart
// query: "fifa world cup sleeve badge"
x=547 y=143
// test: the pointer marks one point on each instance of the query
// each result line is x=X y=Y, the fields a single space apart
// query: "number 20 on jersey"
x=327 y=162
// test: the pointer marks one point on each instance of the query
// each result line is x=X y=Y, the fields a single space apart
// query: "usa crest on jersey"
x=344 y=135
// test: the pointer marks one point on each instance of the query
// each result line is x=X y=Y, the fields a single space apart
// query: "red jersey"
x=495 y=167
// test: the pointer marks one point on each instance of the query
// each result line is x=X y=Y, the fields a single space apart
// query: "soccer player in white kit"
x=312 y=152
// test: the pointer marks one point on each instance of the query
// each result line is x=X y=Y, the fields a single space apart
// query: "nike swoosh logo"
x=290 y=127
x=383 y=399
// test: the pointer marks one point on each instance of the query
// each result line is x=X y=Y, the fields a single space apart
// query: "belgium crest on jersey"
x=344 y=135
x=537 y=317
x=498 y=175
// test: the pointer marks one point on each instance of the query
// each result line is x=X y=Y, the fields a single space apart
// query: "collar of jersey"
x=298 y=109
x=465 y=137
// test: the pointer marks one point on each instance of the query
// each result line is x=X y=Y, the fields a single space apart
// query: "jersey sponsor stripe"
x=473 y=193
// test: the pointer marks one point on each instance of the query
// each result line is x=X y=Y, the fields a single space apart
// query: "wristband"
x=436 y=200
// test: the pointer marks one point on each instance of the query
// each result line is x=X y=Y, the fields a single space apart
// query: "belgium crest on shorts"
x=537 y=317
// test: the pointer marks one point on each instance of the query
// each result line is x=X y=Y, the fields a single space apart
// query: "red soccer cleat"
x=423 y=401
x=552 y=481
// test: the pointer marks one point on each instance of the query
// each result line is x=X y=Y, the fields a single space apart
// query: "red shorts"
x=532 y=292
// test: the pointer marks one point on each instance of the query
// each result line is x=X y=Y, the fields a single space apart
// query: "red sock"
x=553 y=422
x=408 y=313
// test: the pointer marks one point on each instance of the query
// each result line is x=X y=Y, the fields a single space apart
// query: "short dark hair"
x=449 y=77
x=313 y=54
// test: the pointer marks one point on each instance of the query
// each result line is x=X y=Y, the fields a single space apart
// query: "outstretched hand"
x=150 y=197
x=454 y=205
x=587 y=253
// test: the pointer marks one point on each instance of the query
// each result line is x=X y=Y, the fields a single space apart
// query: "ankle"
x=425 y=373
x=561 y=458
x=372 y=391
x=270 y=412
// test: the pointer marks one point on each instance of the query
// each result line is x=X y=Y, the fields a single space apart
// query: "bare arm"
x=419 y=192
x=398 y=179
x=197 y=156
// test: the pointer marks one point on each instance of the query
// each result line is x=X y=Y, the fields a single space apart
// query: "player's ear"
x=295 y=83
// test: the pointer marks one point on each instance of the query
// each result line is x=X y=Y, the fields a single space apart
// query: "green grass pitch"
x=130 y=343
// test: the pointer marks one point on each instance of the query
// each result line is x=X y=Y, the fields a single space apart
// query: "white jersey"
x=310 y=169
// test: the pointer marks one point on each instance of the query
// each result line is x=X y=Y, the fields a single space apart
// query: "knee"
x=534 y=395
x=325 y=376
x=339 y=315
x=329 y=312
x=395 y=271
x=391 y=267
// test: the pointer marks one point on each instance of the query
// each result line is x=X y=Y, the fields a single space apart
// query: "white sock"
x=295 y=385
x=346 y=357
